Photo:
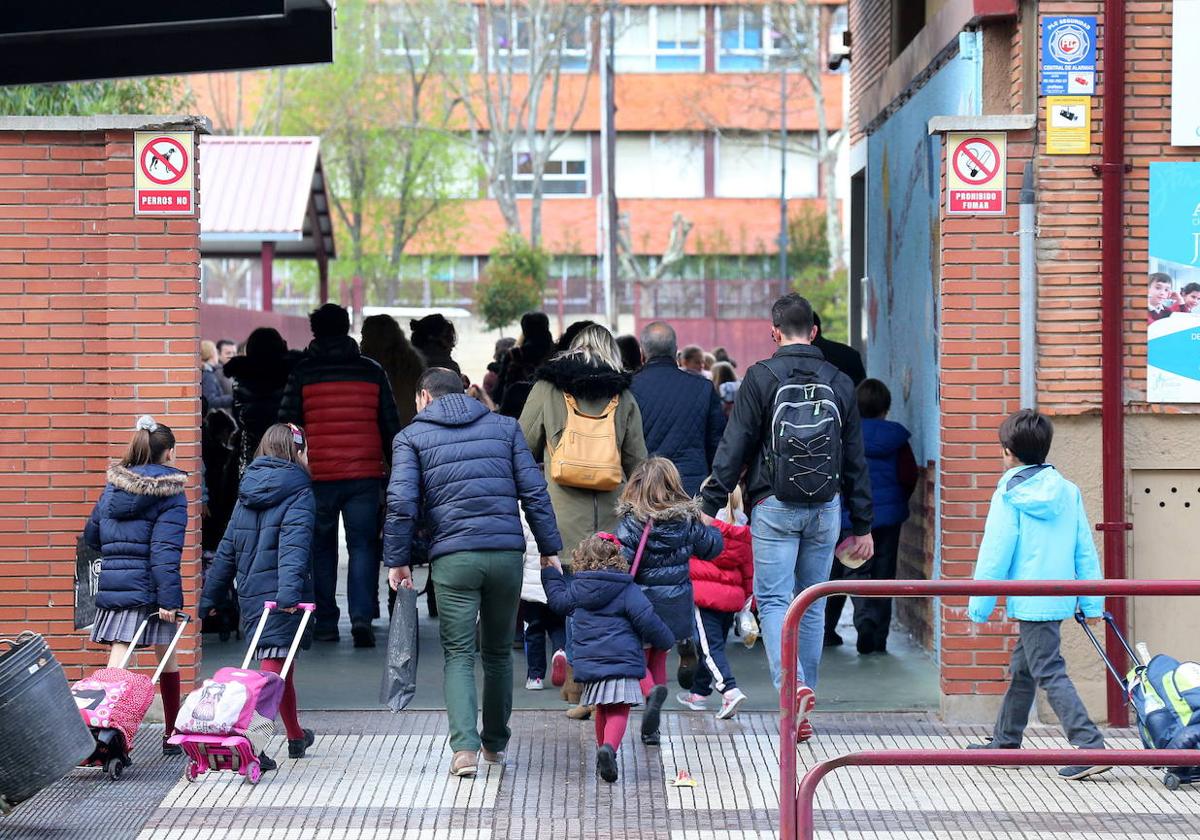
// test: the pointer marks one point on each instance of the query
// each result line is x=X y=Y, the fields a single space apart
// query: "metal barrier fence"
x=796 y=799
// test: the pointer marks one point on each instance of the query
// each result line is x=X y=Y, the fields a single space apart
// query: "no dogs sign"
x=975 y=174
x=164 y=175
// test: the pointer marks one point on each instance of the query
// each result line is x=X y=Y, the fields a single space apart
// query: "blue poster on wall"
x=1068 y=55
x=1173 y=285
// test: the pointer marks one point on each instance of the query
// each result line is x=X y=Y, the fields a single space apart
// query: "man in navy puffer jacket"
x=462 y=471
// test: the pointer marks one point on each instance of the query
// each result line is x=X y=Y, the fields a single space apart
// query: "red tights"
x=656 y=670
x=287 y=706
x=611 y=720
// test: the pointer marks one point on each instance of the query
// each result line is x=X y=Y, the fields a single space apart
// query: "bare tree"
x=798 y=28
x=795 y=43
x=519 y=108
x=386 y=144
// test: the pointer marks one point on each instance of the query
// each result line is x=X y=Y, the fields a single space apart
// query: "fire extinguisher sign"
x=975 y=174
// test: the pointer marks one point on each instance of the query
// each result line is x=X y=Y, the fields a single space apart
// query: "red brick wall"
x=980 y=385
x=870 y=52
x=98 y=324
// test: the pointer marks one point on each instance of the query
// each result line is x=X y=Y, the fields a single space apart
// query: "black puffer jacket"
x=460 y=470
x=676 y=537
x=266 y=549
x=257 y=393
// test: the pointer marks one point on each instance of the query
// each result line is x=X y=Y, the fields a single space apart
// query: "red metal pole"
x=1112 y=316
x=268 y=276
x=916 y=589
x=974 y=758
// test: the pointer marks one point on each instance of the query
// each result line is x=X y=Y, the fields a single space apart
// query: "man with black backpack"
x=795 y=430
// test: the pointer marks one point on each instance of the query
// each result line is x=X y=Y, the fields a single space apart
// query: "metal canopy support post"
x=268 y=276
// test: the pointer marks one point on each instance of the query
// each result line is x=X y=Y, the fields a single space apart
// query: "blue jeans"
x=793 y=549
x=357 y=500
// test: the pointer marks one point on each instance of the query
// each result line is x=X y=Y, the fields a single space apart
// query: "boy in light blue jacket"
x=1037 y=529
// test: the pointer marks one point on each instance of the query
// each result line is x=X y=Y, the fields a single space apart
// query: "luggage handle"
x=1112 y=625
x=181 y=619
x=307 y=609
x=137 y=637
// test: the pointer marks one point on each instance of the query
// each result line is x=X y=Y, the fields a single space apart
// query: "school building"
x=969 y=309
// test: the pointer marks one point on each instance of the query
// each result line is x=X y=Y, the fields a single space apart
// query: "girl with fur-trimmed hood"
x=138 y=526
x=655 y=494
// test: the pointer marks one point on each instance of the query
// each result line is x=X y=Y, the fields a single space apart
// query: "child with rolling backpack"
x=266 y=550
x=113 y=702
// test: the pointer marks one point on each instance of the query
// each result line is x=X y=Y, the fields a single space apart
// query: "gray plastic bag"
x=400 y=671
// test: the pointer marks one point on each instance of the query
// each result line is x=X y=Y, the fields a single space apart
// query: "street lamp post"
x=783 y=152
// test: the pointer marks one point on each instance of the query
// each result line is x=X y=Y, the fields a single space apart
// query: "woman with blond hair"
x=590 y=379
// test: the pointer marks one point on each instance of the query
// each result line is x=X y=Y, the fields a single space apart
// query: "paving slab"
x=374 y=775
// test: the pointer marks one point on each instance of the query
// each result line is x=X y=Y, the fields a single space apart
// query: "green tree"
x=514 y=282
x=808 y=258
x=393 y=163
x=117 y=96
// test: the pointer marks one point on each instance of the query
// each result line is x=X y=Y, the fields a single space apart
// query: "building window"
x=513 y=48
x=402 y=40
x=566 y=172
x=748 y=166
x=839 y=23
x=663 y=39
x=747 y=42
x=907 y=20
x=660 y=165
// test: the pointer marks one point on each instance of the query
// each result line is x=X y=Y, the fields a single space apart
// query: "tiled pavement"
x=372 y=775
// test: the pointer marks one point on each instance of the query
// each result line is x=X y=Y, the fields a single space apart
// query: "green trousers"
x=483 y=586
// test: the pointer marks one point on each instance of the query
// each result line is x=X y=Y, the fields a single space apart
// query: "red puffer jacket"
x=725 y=583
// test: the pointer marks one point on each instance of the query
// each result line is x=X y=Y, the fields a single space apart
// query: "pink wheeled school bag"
x=226 y=723
x=114 y=701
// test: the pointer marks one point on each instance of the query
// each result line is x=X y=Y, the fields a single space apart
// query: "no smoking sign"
x=975 y=176
x=164 y=178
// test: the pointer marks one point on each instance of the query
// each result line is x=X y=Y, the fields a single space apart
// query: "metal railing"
x=796 y=799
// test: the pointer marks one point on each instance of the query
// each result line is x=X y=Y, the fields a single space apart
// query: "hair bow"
x=297 y=435
x=612 y=538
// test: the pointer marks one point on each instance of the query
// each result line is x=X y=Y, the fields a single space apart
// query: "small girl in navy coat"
x=655 y=492
x=138 y=526
x=267 y=547
x=612 y=621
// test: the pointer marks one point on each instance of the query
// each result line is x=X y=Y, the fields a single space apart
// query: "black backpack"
x=804 y=453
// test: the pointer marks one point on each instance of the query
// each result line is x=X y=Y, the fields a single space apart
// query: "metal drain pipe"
x=1112 y=171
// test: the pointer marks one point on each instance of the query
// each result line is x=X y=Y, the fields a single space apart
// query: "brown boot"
x=571 y=691
x=580 y=712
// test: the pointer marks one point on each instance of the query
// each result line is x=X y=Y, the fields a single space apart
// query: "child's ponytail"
x=151 y=441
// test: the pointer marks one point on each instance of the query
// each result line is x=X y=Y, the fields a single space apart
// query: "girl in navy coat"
x=138 y=526
x=612 y=621
x=267 y=549
x=655 y=492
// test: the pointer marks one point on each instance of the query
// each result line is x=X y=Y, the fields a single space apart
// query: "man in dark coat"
x=345 y=404
x=842 y=356
x=682 y=418
x=467 y=473
x=793 y=541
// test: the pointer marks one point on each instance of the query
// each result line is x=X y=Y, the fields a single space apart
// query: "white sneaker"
x=730 y=701
x=695 y=702
x=534 y=684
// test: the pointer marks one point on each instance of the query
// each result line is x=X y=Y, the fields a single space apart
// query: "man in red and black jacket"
x=346 y=406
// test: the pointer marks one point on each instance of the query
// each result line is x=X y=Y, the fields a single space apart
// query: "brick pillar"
x=979 y=356
x=98 y=324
